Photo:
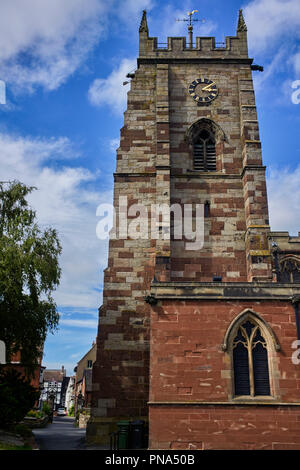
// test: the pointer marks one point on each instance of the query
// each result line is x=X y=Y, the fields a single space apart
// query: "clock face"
x=203 y=90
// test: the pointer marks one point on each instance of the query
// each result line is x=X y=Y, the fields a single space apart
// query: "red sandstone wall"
x=225 y=427
x=187 y=361
x=189 y=365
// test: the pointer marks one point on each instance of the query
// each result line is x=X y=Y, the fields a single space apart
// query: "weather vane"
x=190 y=26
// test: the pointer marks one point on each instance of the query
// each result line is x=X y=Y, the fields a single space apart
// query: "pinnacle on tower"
x=241 y=23
x=144 y=25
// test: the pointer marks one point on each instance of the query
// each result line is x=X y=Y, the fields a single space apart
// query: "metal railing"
x=164 y=45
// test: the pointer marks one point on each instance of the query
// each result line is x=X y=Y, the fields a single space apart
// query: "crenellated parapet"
x=285 y=250
x=285 y=242
x=234 y=47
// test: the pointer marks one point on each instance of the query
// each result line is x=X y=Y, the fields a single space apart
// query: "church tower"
x=196 y=334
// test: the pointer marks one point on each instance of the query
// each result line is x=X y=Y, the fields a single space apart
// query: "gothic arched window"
x=289 y=271
x=205 y=151
x=250 y=361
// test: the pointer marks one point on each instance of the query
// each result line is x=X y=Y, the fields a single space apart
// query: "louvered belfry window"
x=205 y=152
x=250 y=361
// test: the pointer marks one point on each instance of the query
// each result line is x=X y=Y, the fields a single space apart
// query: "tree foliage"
x=29 y=272
x=17 y=397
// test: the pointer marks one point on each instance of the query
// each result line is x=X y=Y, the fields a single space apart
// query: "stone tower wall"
x=121 y=372
x=154 y=166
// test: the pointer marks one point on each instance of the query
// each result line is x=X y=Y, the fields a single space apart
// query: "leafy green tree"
x=17 y=397
x=46 y=409
x=29 y=272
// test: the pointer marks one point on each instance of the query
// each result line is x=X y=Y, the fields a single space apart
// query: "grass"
x=17 y=430
x=4 y=446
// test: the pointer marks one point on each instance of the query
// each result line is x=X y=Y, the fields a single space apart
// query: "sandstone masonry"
x=170 y=357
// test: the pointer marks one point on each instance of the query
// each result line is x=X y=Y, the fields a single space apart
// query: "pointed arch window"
x=289 y=271
x=205 y=151
x=250 y=361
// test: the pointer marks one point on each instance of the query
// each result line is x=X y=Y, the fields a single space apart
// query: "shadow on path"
x=60 y=435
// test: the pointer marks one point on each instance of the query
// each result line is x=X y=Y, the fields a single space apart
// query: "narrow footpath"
x=60 y=435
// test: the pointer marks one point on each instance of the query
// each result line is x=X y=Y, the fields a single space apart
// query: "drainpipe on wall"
x=275 y=253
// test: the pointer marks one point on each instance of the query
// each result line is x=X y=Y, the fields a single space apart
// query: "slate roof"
x=53 y=375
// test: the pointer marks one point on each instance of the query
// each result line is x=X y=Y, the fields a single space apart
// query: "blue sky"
x=64 y=64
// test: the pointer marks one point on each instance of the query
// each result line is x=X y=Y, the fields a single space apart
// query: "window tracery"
x=250 y=361
x=289 y=270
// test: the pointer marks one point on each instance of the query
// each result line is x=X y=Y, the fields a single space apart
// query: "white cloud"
x=67 y=346
x=273 y=31
x=269 y=20
x=44 y=41
x=80 y=323
x=277 y=64
x=114 y=144
x=46 y=24
x=284 y=199
x=110 y=91
x=129 y=11
x=295 y=61
x=62 y=201
x=166 y=24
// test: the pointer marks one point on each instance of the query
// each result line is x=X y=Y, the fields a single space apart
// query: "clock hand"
x=208 y=87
